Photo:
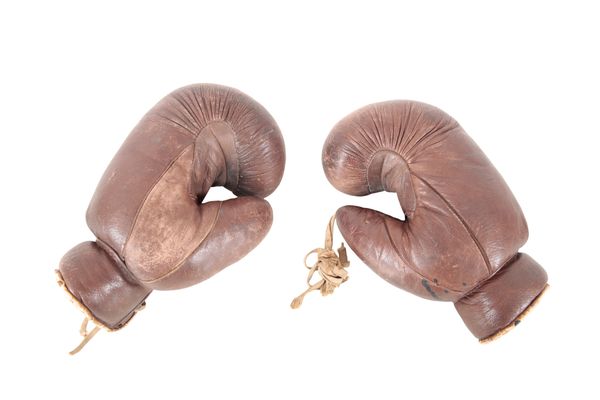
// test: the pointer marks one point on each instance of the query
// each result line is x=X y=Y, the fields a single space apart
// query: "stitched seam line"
x=184 y=259
x=463 y=222
x=487 y=279
x=223 y=151
x=116 y=258
x=407 y=264
x=410 y=213
x=370 y=161
x=137 y=213
x=412 y=186
x=235 y=142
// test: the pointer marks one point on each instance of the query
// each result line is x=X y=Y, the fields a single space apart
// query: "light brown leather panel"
x=137 y=166
x=147 y=211
x=170 y=224
x=241 y=225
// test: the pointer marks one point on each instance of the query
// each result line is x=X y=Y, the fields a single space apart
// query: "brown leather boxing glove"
x=152 y=229
x=463 y=229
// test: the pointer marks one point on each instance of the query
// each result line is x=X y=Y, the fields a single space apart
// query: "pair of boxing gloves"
x=459 y=241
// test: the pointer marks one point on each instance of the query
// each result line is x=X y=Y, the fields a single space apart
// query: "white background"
x=521 y=78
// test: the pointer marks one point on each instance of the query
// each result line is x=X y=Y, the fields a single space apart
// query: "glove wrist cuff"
x=100 y=285
x=498 y=303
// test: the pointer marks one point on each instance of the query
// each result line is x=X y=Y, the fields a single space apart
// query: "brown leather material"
x=239 y=226
x=388 y=172
x=147 y=210
x=462 y=222
x=98 y=279
x=170 y=224
x=125 y=184
x=503 y=297
x=222 y=138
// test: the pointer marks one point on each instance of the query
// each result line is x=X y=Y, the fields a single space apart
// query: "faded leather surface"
x=170 y=224
x=462 y=222
x=147 y=208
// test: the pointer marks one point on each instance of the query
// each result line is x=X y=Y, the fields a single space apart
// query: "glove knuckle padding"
x=462 y=222
x=148 y=205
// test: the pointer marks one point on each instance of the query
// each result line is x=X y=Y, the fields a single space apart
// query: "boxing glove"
x=152 y=229
x=463 y=228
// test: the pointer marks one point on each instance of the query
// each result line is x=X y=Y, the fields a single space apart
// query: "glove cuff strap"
x=498 y=305
x=98 y=282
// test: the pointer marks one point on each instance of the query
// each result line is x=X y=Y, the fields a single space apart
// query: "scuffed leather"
x=153 y=230
x=463 y=224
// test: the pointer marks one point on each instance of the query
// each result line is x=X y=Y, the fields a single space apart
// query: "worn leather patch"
x=169 y=225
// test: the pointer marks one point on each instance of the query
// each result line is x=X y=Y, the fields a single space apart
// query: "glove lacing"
x=330 y=266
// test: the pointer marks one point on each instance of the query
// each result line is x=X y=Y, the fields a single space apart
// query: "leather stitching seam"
x=463 y=222
x=137 y=213
x=407 y=264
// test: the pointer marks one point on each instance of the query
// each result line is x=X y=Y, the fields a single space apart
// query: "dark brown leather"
x=463 y=227
x=153 y=230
